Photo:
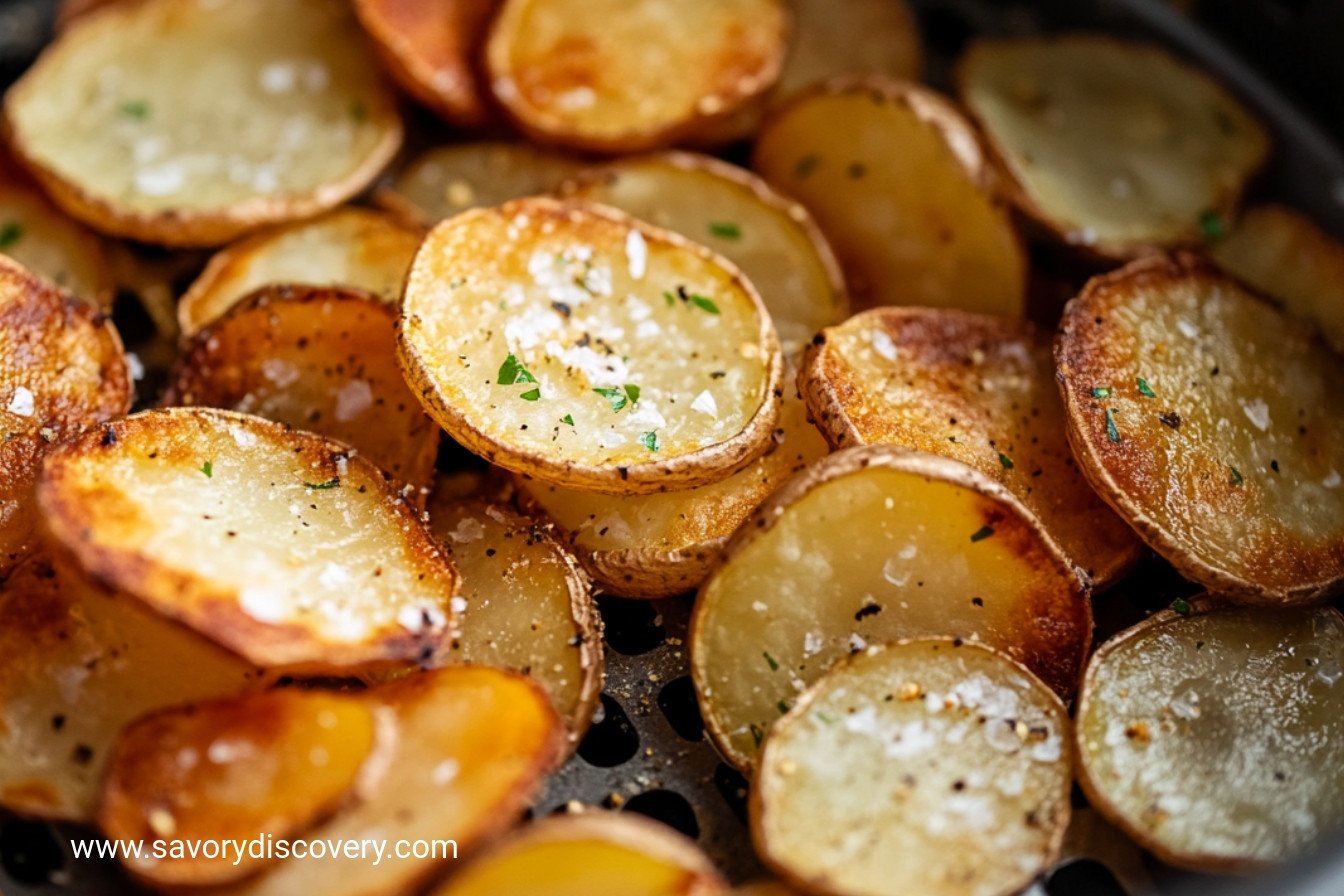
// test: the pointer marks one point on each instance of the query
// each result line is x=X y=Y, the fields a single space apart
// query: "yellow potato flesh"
x=40 y=238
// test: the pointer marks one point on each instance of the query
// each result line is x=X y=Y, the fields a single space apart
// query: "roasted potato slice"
x=61 y=369
x=430 y=48
x=38 y=236
x=447 y=180
x=831 y=39
x=580 y=73
x=472 y=744
x=896 y=180
x=732 y=211
x=354 y=248
x=268 y=764
x=75 y=668
x=1282 y=253
x=1112 y=146
x=1214 y=735
x=930 y=766
x=765 y=888
x=652 y=546
x=320 y=359
x=289 y=549
x=571 y=342
x=525 y=604
x=1213 y=423
x=589 y=854
x=870 y=545
x=975 y=388
x=297 y=118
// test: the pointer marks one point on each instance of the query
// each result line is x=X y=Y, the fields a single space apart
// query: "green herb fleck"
x=1212 y=225
x=632 y=392
x=770 y=661
x=1181 y=605
x=1101 y=392
x=824 y=718
x=1144 y=389
x=1236 y=475
x=10 y=233
x=333 y=482
x=208 y=469
x=782 y=706
x=725 y=230
x=531 y=395
x=512 y=371
x=756 y=734
x=1112 y=432
x=1005 y=461
x=982 y=533
x=615 y=397
x=649 y=440
x=704 y=304
x=137 y=109
x=806 y=165
x=669 y=298
x=568 y=420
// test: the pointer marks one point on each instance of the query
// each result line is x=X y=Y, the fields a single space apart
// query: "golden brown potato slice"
x=571 y=342
x=1214 y=735
x=431 y=48
x=585 y=74
x=287 y=548
x=39 y=237
x=931 y=766
x=61 y=369
x=652 y=546
x=1213 y=423
x=446 y=180
x=765 y=888
x=895 y=177
x=190 y=123
x=867 y=546
x=472 y=745
x=76 y=667
x=974 y=388
x=261 y=765
x=1112 y=146
x=525 y=604
x=1285 y=255
x=320 y=359
x=831 y=38
x=355 y=248
x=732 y=211
x=589 y=854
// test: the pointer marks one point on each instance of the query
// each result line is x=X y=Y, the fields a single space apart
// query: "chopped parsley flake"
x=669 y=298
x=619 y=398
x=10 y=233
x=1112 y=432
x=982 y=533
x=1006 y=461
x=333 y=482
x=1181 y=605
x=568 y=420
x=208 y=469
x=632 y=392
x=756 y=734
x=1144 y=389
x=649 y=440
x=725 y=230
x=531 y=395
x=137 y=109
x=704 y=304
x=824 y=718
x=1212 y=225
x=770 y=661
x=1236 y=475
x=1101 y=392
x=512 y=371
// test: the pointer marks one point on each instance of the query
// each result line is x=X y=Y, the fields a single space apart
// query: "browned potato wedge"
x=589 y=854
x=1112 y=146
x=580 y=73
x=430 y=48
x=1213 y=423
x=831 y=38
x=931 y=766
x=895 y=177
x=765 y=888
x=1216 y=738
x=658 y=545
x=571 y=342
x=867 y=546
x=525 y=604
x=732 y=211
x=974 y=388
x=446 y=180
x=61 y=369
x=262 y=765
x=75 y=668
x=111 y=119
x=39 y=237
x=287 y=548
x=472 y=745
x=1285 y=255
x=355 y=248
x=320 y=359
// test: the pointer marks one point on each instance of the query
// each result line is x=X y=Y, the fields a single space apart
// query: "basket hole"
x=1084 y=876
x=632 y=626
x=28 y=852
x=733 y=788
x=670 y=808
x=678 y=703
x=611 y=740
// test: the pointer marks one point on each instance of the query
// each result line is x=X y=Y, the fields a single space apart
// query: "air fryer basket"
x=647 y=751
